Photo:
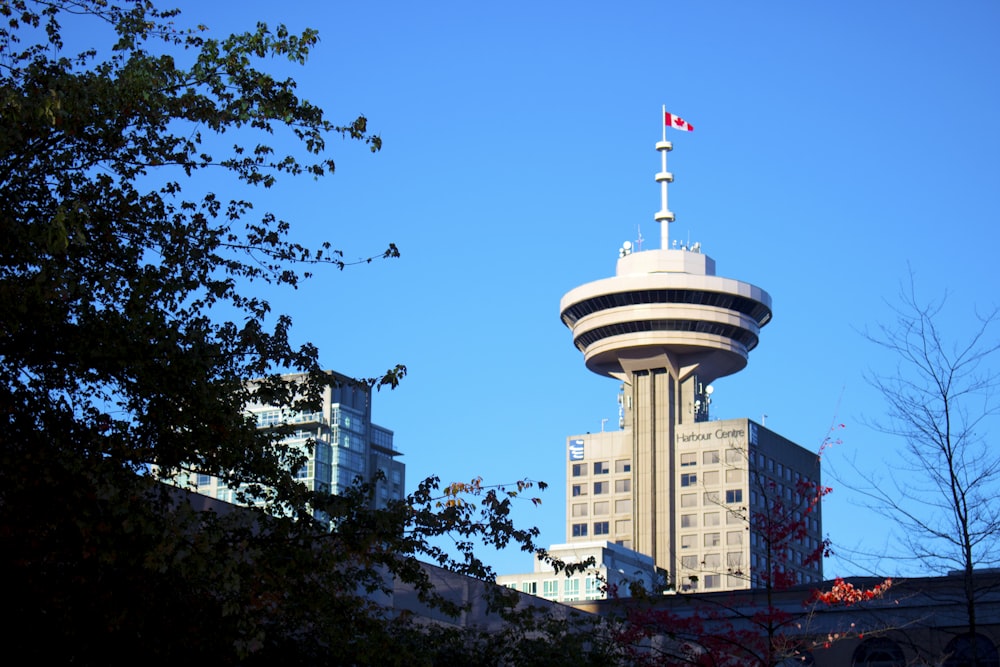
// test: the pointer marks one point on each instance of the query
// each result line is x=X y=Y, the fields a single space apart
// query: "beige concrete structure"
x=665 y=326
x=726 y=472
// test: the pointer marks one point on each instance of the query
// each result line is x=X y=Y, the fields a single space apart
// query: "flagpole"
x=664 y=216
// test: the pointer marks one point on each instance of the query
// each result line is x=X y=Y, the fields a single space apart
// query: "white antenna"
x=664 y=216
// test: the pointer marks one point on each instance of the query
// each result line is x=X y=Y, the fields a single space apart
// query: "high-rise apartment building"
x=670 y=483
x=346 y=445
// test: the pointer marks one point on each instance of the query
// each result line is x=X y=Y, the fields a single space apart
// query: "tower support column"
x=654 y=398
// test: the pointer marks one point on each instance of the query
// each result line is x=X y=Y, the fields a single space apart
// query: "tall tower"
x=665 y=325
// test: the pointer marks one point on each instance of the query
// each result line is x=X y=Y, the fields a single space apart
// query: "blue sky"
x=837 y=147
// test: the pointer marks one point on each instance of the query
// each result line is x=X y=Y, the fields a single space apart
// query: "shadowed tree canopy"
x=128 y=331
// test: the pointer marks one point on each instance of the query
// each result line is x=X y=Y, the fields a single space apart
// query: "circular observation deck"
x=645 y=318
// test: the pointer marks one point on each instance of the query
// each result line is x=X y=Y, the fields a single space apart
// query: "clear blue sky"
x=836 y=145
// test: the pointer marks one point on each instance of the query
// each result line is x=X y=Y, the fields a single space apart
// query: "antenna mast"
x=664 y=177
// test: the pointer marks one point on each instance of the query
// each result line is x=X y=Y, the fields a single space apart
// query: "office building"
x=725 y=471
x=346 y=445
x=615 y=568
x=670 y=483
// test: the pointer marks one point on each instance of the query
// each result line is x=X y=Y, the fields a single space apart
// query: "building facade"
x=340 y=443
x=917 y=621
x=615 y=568
x=727 y=477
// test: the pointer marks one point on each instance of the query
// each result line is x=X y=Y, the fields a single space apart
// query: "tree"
x=129 y=332
x=940 y=399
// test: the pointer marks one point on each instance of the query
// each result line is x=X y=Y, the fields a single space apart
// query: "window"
x=734 y=537
x=689 y=500
x=711 y=478
x=689 y=562
x=734 y=476
x=601 y=468
x=579 y=469
x=550 y=589
x=710 y=457
x=960 y=651
x=600 y=487
x=734 y=518
x=571 y=590
x=601 y=528
x=602 y=508
x=591 y=589
x=689 y=479
x=579 y=530
x=734 y=560
x=689 y=459
x=689 y=520
x=623 y=485
x=579 y=490
x=878 y=652
x=623 y=526
x=734 y=456
x=205 y=480
x=623 y=465
x=713 y=562
x=711 y=497
x=623 y=506
x=712 y=539
x=529 y=587
x=734 y=495
x=712 y=519
x=712 y=581
x=579 y=509
x=689 y=541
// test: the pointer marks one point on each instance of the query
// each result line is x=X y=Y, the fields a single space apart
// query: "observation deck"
x=666 y=307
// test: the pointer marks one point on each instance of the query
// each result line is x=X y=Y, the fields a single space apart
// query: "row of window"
x=734 y=538
x=709 y=498
x=623 y=506
x=714 y=581
x=602 y=528
x=571 y=589
x=602 y=467
x=276 y=417
x=621 y=486
x=711 y=457
x=713 y=477
x=711 y=519
x=713 y=561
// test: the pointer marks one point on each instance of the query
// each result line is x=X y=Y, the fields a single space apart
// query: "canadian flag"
x=678 y=123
